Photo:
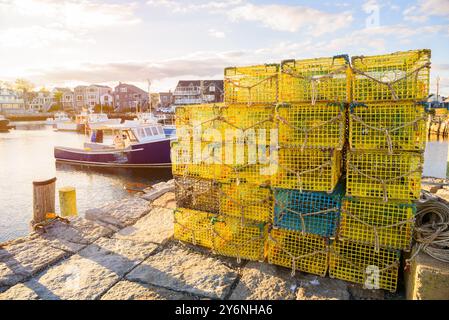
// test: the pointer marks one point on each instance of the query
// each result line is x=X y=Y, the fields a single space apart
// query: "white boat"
x=96 y=120
x=91 y=120
x=142 y=118
x=58 y=117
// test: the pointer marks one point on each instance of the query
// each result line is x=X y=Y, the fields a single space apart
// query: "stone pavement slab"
x=181 y=269
x=119 y=214
x=261 y=281
x=19 y=292
x=74 y=236
x=127 y=290
x=91 y=272
x=156 y=227
x=312 y=287
x=24 y=257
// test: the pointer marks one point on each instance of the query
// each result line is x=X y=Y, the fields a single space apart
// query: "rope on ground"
x=432 y=228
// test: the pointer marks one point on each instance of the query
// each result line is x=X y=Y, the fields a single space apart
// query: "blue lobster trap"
x=310 y=212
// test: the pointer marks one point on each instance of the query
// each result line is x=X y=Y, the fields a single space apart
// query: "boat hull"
x=4 y=125
x=154 y=154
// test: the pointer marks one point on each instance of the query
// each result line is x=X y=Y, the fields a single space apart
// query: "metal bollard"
x=67 y=202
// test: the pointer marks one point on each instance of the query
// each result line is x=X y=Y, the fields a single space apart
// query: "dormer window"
x=212 y=88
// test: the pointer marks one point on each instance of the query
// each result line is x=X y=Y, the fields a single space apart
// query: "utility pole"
x=438 y=89
x=149 y=96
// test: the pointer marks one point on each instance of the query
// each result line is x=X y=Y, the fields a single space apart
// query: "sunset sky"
x=68 y=42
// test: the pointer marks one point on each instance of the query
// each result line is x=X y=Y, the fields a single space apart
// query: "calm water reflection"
x=26 y=154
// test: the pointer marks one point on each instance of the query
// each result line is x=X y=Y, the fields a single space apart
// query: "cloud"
x=216 y=34
x=38 y=23
x=277 y=17
x=292 y=18
x=191 y=6
x=424 y=9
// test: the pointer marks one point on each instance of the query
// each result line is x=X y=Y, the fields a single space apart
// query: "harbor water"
x=26 y=154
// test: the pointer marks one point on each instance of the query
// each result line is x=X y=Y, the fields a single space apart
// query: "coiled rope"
x=432 y=228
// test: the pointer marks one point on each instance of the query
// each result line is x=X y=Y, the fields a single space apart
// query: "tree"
x=24 y=87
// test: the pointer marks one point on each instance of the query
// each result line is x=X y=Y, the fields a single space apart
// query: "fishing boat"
x=58 y=117
x=4 y=124
x=87 y=120
x=133 y=146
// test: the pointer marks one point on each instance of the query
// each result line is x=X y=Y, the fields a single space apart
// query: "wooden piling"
x=43 y=199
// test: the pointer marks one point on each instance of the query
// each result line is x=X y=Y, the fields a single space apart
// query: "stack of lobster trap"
x=387 y=136
x=260 y=177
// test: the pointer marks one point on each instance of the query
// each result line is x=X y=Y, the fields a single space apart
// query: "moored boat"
x=134 y=146
x=58 y=117
x=4 y=124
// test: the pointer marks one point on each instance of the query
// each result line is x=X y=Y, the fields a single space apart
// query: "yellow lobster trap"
x=199 y=159
x=392 y=126
x=308 y=169
x=382 y=175
x=396 y=76
x=377 y=223
x=247 y=201
x=194 y=227
x=312 y=80
x=233 y=238
x=198 y=119
x=298 y=251
x=362 y=264
x=252 y=84
x=197 y=194
x=322 y=125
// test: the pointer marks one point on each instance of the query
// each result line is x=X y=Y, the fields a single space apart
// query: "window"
x=141 y=132
x=161 y=131
x=79 y=98
x=212 y=88
x=154 y=131
x=148 y=131
x=123 y=89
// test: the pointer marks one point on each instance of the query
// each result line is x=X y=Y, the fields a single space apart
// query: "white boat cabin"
x=125 y=135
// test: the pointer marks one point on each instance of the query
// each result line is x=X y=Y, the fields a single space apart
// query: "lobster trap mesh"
x=246 y=201
x=321 y=79
x=308 y=169
x=311 y=212
x=233 y=238
x=298 y=251
x=194 y=227
x=377 y=223
x=311 y=126
x=397 y=76
x=199 y=159
x=388 y=126
x=381 y=175
x=197 y=194
x=251 y=85
x=205 y=116
x=361 y=264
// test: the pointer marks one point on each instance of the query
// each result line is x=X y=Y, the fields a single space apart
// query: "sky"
x=68 y=42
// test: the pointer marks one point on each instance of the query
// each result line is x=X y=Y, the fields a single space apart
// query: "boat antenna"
x=149 y=95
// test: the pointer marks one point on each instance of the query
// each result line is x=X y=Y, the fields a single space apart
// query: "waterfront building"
x=166 y=99
x=128 y=97
x=41 y=102
x=198 y=92
x=10 y=101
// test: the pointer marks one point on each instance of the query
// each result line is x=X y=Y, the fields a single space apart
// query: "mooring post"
x=43 y=199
